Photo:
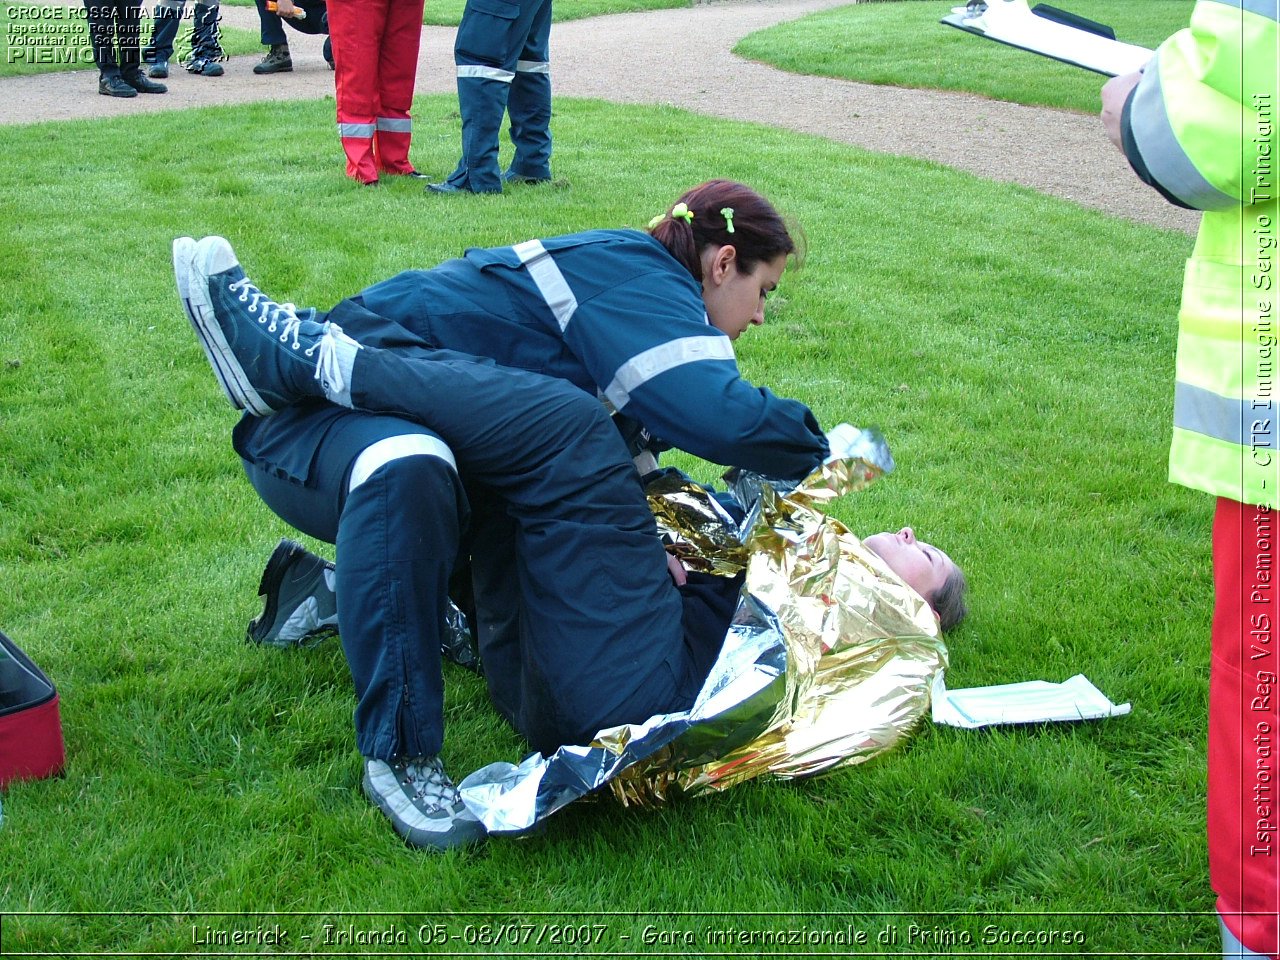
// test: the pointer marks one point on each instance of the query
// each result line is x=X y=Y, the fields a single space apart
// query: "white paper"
x=1035 y=701
x=1012 y=22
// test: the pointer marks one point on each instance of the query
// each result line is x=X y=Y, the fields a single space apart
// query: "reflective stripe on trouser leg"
x=482 y=101
x=391 y=143
x=397 y=543
x=601 y=622
x=356 y=28
x=1244 y=724
x=397 y=71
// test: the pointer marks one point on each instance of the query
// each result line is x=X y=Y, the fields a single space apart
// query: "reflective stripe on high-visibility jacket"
x=1203 y=123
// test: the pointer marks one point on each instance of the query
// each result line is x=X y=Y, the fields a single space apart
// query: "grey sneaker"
x=266 y=355
x=421 y=802
x=300 y=607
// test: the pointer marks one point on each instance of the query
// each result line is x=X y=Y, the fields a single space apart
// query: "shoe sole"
x=282 y=556
x=196 y=305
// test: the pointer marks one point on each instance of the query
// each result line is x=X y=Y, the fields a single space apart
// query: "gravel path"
x=633 y=58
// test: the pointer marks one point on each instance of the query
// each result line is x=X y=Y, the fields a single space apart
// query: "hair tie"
x=680 y=211
x=727 y=213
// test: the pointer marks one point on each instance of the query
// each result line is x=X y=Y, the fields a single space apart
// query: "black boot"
x=277 y=60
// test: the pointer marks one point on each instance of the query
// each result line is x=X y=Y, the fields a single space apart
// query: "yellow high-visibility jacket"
x=1203 y=127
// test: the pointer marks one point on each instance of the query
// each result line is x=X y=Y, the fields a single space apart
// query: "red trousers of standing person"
x=1244 y=729
x=375 y=60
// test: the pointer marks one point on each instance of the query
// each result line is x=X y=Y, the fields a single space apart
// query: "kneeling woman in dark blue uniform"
x=519 y=466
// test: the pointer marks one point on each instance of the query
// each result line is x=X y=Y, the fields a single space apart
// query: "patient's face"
x=922 y=566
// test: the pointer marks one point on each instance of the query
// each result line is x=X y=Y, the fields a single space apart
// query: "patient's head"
x=926 y=570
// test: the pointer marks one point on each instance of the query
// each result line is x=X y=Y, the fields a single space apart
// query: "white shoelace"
x=277 y=316
x=283 y=317
x=328 y=364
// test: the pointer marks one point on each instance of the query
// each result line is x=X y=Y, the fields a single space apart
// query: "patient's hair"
x=759 y=231
x=948 y=600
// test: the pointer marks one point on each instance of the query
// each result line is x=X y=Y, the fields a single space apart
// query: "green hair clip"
x=727 y=213
x=680 y=211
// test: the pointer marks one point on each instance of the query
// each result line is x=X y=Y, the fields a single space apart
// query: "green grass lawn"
x=45 y=38
x=1016 y=349
x=902 y=44
x=447 y=13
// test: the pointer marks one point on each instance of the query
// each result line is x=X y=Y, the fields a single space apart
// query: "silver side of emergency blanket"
x=829 y=659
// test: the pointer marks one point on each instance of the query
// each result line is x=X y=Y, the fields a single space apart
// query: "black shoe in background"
x=141 y=84
x=113 y=85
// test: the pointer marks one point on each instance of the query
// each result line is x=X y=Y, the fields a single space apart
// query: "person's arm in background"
x=1172 y=119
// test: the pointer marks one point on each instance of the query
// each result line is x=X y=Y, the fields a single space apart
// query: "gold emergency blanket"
x=828 y=662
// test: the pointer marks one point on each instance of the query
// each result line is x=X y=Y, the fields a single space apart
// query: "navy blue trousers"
x=579 y=624
x=271 y=26
x=501 y=51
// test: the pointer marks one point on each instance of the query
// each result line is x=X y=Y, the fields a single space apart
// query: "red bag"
x=30 y=726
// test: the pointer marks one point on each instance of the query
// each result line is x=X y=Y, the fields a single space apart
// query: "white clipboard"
x=1012 y=22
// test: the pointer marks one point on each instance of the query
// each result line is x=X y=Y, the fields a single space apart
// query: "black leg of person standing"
x=115 y=33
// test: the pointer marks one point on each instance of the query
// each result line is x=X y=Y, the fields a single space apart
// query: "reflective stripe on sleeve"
x=360 y=130
x=1163 y=155
x=643 y=367
x=1223 y=418
x=485 y=73
x=379 y=454
x=549 y=280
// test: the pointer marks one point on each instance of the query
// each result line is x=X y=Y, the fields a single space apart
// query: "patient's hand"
x=676 y=569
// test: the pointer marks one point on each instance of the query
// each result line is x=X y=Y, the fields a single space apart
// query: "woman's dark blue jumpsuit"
x=516 y=463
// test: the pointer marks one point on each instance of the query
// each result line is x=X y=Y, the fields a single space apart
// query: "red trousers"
x=375 y=61
x=1244 y=729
